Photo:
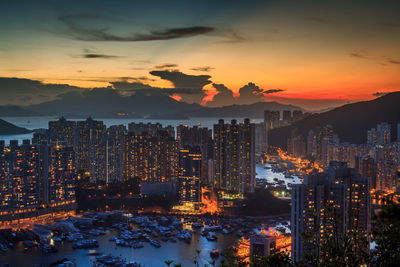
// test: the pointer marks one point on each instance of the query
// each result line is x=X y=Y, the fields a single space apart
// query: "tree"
x=386 y=233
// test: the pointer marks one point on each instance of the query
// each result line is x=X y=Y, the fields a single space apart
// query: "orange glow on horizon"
x=176 y=97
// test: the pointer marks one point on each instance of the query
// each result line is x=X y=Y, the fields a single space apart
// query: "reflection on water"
x=179 y=252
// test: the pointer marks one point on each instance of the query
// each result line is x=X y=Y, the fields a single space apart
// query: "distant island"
x=139 y=105
x=7 y=128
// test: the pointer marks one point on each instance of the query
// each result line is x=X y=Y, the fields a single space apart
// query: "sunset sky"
x=294 y=51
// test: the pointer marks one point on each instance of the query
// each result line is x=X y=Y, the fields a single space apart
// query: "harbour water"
x=179 y=252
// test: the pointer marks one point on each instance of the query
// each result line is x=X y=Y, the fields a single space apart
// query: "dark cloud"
x=319 y=20
x=79 y=30
x=223 y=98
x=205 y=68
x=166 y=66
x=192 y=84
x=182 y=80
x=271 y=91
x=392 y=25
x=91 y=55
x=16 y=91
x=135 y=88
x=358 y=55
x=250 y=93
x=130 y=86
x=393 y=61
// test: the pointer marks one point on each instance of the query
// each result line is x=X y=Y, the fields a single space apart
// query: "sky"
x=314 y=54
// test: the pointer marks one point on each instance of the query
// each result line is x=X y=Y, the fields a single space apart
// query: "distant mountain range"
x=108 y=104
x=8 y=128
x=351 y=122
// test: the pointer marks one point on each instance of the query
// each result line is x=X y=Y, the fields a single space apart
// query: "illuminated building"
x=380 y=135
x=234 y=156
x=91 y=148
x=262 y=245
x=261 y=139
x=151 y=158
x=297 y=115
x=197 y=136
x=357 y=196
x=35 y=180
x=385 y=176
x=150 y=128
x=19 y=173
x=347 y=196
x=286 y=117
x=308 y=216
x=188 y=185
x=368 y=169
x=115 y=153
x=312 y=144
x=62 y=131
x=296 y=145
x=271 y=119
x=57 y=174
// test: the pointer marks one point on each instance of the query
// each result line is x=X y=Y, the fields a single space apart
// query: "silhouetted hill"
x=103 y=102
x=16 y=111
x=8 y=128
x=350 y=121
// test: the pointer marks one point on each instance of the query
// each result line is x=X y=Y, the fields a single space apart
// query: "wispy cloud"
x=359 y=55
x=388 y=24
x=78 y=31
x=271 y=91
x=166 y=66
x=393 y=61
x=205 y=68
x=320 y=20
x=91 y=55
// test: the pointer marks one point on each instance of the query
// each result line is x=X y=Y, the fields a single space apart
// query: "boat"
x=155 y=243
x=137 y=245
x=211 y=237
x=214 y=253
x=3 y=248
x=94 y=253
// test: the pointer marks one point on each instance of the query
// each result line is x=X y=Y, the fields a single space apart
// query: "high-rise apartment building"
x=150 y=128
x=188 y=185
x=115 y=153
x=200 y=137
x=271 y=119
x=379 y=135
x=151 y=158
x=297 y=115
x=62 y=131
x=309 y=221
x=91 y=148
x=261 y=138
x=345 y=193
x=35 y=180
x=234 y=156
